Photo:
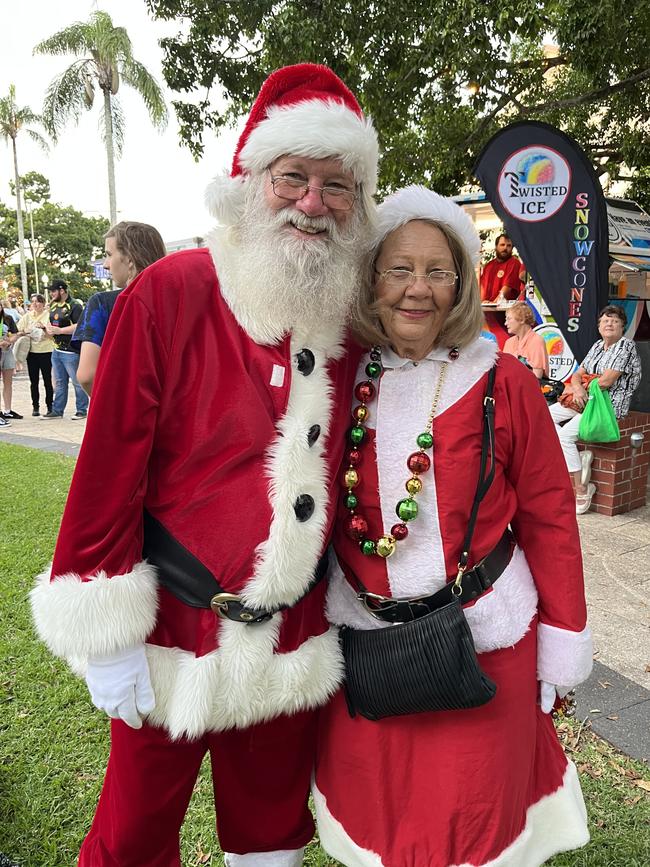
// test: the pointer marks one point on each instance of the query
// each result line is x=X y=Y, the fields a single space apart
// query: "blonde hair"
x=523 y=313
x=139 y=241
x=465 y=319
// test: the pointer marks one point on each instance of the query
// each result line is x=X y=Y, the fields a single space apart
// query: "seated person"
x=501 y=277
x=616 y=362
x=525 y=344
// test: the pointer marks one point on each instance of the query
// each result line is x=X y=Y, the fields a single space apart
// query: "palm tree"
x=12 y=121
x=105 y=59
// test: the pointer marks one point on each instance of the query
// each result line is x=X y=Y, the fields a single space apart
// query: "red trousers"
x=261 y=778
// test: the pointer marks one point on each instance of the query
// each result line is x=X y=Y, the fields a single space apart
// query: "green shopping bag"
x=598 y=423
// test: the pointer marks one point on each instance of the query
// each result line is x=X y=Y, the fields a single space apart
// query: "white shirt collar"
x=391 y=360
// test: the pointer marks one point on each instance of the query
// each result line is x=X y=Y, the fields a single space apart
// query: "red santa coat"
x=484 y=786
x=217 y=436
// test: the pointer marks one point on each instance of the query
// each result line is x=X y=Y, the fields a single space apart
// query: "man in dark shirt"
x=64 y=315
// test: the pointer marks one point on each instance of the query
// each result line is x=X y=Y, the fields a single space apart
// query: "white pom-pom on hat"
x=419 y=203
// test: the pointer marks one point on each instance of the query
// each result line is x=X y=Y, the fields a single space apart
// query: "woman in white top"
x=39 y=357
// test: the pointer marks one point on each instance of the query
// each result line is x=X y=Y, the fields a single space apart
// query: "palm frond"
x=71 y=40
x=64 y=98
x=142 y=81
x=38 y=138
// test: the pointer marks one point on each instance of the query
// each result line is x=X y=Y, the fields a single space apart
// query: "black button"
x=313 y=433
x=305 y=361
x=304 y=507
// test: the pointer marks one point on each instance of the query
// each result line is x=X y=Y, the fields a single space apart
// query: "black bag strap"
x=484 y=481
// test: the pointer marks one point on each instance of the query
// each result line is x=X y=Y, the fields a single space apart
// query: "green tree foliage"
x=65 y=242
x=13 y=121
x=104 y=60
x=35 y=187
x=438 y=78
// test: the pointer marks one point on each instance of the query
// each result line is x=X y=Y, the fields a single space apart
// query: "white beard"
x=276 y=282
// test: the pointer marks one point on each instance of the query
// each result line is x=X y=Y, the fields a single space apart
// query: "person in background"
x=525 y=344
x=32 y=326
x=8 y=334
x=615 y=361
x=480 y=786
x=501 y=278
x=65 y=312
x=129 y=248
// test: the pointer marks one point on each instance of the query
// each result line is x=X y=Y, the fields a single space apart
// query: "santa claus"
x=186 y=584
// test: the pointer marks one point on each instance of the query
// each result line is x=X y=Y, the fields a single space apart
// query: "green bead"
x=373 y=369
x=357 y=434
x=367 y=547
x=407 y=509
x=351 y=501
x=425 y=440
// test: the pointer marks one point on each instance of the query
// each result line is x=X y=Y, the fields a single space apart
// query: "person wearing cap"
x=185 y=580
x=65 y=312
x=400 y=783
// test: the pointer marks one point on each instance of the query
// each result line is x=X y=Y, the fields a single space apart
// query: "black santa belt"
x=475 y=582
x=189 y=580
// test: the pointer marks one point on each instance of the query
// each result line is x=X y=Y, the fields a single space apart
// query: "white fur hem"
x=564 y=658
x=279 y=858
x=556 y=823
x=243 y=682
x=98 y=616
x=500 y=618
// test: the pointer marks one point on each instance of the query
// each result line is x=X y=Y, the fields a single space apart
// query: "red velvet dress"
x=488 y=786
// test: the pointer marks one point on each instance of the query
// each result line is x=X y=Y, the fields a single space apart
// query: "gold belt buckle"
x=219 y=603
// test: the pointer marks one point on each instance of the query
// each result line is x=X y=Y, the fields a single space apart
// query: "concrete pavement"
x=616 y=553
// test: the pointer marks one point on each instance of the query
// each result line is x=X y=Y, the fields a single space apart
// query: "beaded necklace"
x=356 y=526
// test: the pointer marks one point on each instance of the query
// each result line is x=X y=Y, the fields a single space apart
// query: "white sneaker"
x=583 y=501
x=586 y=457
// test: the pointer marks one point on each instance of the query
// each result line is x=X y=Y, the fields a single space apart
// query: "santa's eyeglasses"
x=293 y=188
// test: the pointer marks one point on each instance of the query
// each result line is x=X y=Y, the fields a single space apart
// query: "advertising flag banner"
x=546 y=193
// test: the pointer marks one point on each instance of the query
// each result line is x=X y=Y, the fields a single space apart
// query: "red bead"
x=399 y=531
x=356 y=527
x=364 y=391
x=354 y=457
x=418 y=462
x=453 y=353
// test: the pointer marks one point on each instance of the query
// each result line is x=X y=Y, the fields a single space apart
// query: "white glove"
x=120 y=685
x=548 y=693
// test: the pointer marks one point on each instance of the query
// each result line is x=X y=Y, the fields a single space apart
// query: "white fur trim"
x=96 y=617
x=279 y=858
x=419 y=567
x=286 y=560
x=317 y=129
x=500 y=618
x=225 y=197
x=243 y=682
x=564 y=658
x=556 y=823
x=418 y=203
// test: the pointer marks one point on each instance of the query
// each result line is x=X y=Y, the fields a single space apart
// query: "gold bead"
x=360 y=412
x=414 y=485
x=351 y=478
x=385 y=546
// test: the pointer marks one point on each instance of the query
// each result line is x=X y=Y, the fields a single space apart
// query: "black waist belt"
x=189 y=580
x=475 y=582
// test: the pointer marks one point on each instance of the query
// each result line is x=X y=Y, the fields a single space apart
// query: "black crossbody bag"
x=428 y=663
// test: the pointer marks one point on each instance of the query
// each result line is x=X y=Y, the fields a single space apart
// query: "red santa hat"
x=303 y=110
x=419 y=203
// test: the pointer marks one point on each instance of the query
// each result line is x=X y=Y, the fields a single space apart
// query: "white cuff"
x=563 y=657
x=97 y=617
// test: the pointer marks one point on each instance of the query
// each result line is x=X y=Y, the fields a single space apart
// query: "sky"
x=157 y=179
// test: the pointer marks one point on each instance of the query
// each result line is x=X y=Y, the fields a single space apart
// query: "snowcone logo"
x=534 y=183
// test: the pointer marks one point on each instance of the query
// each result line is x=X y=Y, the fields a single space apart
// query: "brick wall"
x=619 y=472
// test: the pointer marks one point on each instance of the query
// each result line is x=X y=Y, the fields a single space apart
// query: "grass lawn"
x=53 y=744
